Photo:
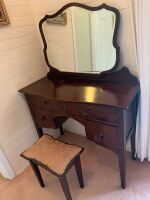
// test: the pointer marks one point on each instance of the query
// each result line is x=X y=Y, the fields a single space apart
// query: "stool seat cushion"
x=52 y=153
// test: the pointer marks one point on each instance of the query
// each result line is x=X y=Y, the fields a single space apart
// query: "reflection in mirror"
x=81 y=40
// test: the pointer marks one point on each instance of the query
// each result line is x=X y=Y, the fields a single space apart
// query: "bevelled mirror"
x=81 y=41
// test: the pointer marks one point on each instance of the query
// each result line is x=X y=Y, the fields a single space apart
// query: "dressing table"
x=101 y=97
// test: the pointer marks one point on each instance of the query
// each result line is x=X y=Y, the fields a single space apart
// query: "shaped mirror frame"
x=54 y=73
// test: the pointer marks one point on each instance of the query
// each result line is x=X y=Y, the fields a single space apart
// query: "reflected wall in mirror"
x=85 y=43
x=93 y=36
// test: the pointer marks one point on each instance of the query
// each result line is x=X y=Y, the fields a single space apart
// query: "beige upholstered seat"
x=52 y=153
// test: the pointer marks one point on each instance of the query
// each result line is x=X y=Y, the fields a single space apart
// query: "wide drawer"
x=75 y=109
x=96 y=112
x=54 y=107
x=102 y=113
x=103 y=135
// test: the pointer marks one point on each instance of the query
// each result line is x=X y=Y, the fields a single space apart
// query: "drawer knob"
x=43 y=118
x=45 y=102
x=101 y=136
x=87 y=112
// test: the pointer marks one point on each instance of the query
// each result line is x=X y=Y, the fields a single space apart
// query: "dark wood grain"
x=79 y=171
x=133 y=134
x=107 y=109
x=107 y=93
x=65 y=187
x=105 y=103
x=122 y=148
x=104 y=135
x=62 y=178
x=38 y=128
x=37 y=173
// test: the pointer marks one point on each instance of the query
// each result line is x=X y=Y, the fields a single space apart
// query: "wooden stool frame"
x=62 y=178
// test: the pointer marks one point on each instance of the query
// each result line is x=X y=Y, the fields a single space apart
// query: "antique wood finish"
x=62 y=178
x=102 y=134
x=65 y=187
x=55 y=73
x=122 y=147
x=107 y=109
x=42 y=118
x=133 y=131
x=37 y=173
x=38 y=128
x=79 y=171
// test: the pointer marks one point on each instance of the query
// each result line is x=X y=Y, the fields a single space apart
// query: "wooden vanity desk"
x=91 y=89
x=107 y=109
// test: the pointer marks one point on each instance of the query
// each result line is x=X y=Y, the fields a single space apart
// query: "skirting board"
x=5 y=168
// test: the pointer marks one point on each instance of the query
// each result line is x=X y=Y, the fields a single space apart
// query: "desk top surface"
x=108 y=94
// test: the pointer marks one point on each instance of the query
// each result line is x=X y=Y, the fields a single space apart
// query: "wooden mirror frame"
x=57 y=74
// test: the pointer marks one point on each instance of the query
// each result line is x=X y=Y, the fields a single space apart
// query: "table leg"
x=122 y=166
x=122 y=148
x=132 y=139
x=61 y=129
x=40 y=132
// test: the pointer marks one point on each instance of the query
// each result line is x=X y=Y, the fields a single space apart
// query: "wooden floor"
x=101 y=175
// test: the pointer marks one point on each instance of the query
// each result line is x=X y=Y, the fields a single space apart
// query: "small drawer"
x=102 y=113
x=107 y=137
x=103 y=135
x=39 y=102
x=44 y=119
x=75 y=109
x=55 y=107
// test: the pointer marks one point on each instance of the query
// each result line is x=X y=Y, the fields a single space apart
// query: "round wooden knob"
x=43 y=118
x=45 y=102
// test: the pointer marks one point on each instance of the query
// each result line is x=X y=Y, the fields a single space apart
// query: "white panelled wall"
x=21 y=63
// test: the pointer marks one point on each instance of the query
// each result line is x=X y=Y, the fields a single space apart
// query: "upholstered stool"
x=56 y=157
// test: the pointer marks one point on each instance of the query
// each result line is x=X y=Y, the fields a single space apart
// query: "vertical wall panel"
x=21 y=63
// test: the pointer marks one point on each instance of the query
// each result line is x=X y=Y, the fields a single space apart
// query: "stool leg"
x=37 y=172
x=79 y=171
x=65 y=187
x=61 y=129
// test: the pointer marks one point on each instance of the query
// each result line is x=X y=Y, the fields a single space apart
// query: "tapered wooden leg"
x=37 y=173
x=133 y=135
x=132 y=139
x=65 y=187
x=40 y=132
x=79 y=171
x=122 y=166
x=59 y=123
x=61 y=130
x=122 y=148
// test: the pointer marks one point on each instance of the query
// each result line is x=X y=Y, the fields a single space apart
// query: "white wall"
x=126 y=38
x=21 y=62
x=5 y=167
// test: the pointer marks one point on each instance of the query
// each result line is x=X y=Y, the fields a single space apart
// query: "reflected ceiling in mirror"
x=81 y=40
